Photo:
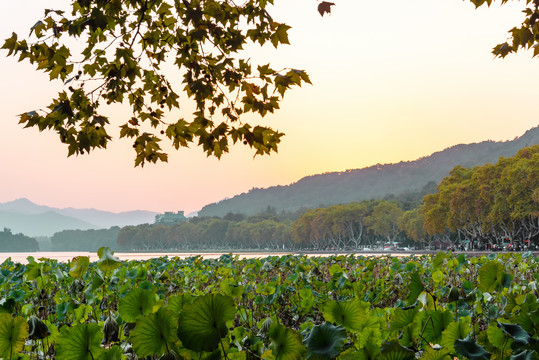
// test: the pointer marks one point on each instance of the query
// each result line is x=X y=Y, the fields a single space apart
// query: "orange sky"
x=392 y=80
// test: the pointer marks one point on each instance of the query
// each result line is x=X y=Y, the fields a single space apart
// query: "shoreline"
x=65 y=256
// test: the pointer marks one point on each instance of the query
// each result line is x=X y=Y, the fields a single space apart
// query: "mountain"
x=376 y=181
x=42 y=224
x=23 y=216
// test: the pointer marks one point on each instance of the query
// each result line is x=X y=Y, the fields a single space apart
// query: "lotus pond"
x=290 y=307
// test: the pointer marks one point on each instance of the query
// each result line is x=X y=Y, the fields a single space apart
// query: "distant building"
x=169 y=218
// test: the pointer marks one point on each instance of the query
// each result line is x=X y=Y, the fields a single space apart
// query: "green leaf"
x=415 y=287
x=454 y=331
x=202 y=324
x=515 y=332
x=137 y=302
x=154 y=334
x=285 y=343
x=437 y=322
x=113 y=353
x=107 y=261
x=437 y=276
x=325 y=341
x=496 y=337
x=350 y=314
x=81 y=342
x=395 y=351
x=471 y=350
x=439 y=354
x=490 y=276
x=525 y=355
x=79 y=266
x=401 y=318
x=13 y=333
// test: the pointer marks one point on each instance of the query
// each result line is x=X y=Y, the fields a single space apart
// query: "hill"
x=23 y=216
x=43 y=224
x=376 y=181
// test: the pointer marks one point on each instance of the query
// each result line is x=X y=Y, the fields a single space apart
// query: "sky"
x=392 y=81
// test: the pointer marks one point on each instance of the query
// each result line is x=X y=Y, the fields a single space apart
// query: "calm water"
x=66 y=256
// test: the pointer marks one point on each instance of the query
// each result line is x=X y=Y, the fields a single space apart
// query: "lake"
x=21 y=257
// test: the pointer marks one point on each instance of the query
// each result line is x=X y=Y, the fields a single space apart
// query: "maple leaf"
x=325 y=7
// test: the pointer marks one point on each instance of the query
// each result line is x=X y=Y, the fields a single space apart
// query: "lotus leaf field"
x=443 y=306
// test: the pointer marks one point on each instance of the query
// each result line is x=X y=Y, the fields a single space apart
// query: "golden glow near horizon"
x=392 y=81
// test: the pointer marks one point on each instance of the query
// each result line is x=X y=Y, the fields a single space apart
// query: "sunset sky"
x=392 y=80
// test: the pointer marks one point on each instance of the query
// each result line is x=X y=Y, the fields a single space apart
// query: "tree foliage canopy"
x=525 y=36
x=128 y=44
x=494 y=200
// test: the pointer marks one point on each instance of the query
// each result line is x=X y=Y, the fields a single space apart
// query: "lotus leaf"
x=325 y=341
x=392 y=350
x=154 y=334
x=81 y=342
x=107 y=261
x=470 y=349
x=79 y=266
x=350 y=314
x=136 y=302
x=285 y=343
x=415 y=287
x=490 y=276
x=13 y=333
x=202 y=324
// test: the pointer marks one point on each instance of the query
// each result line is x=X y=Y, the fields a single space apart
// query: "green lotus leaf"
x=497 y=337
x=202 y=355
x=202 y=324
x=79 y=266
x=113 y=353
x=490 y=276
x=154 y=334
x=81 y=342
x=175 y=303
x=438 y=321
x=13 y=333
x=401 y=318
x=350 y=314
x=353 y=354
x=392 y=350
x=285 y=343
x=325 y=341
x=107 y=261
x=368 y=352
x=515 y=332
x=470 y=349
x=415 y=287
x=454 y=331
x=437 y=276
x=433 y=354
x=525 y=355
x=136 y=302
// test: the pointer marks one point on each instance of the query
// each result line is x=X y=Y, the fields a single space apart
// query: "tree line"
x=488 y=205
x=481 y=207
x=16 y=242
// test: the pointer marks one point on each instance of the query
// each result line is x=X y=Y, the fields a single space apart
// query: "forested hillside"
x=16 y=242
x=376 y=181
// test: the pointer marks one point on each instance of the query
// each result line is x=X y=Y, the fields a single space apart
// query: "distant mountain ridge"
x=376 y=181
x=23 y=216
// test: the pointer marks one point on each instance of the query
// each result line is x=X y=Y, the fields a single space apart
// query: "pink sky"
x=392 y=81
